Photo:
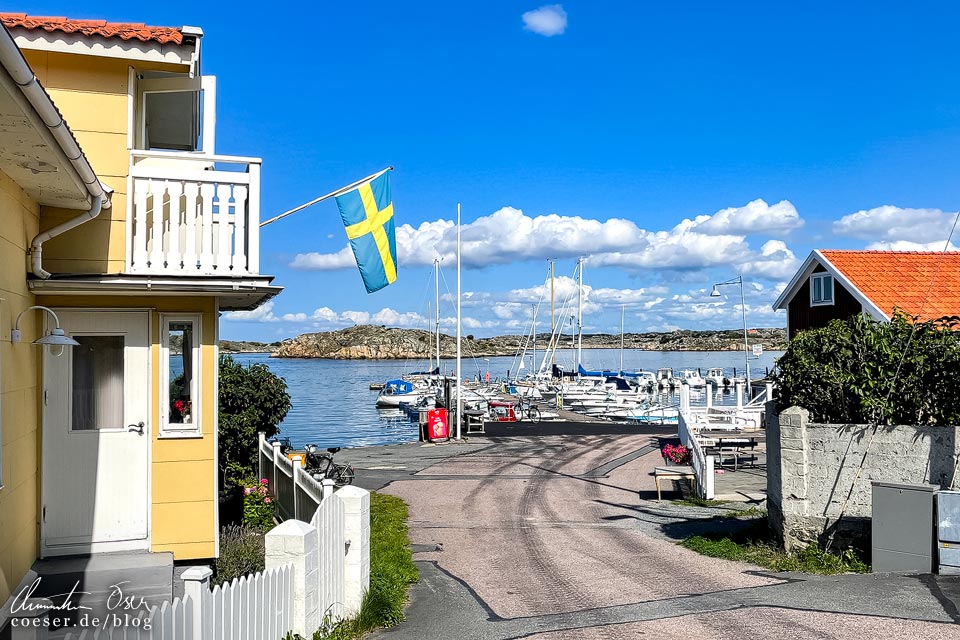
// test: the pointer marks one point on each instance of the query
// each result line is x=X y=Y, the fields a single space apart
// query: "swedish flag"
x=367 y=213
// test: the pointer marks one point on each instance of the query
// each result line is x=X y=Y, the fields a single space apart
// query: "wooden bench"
x=671 y=473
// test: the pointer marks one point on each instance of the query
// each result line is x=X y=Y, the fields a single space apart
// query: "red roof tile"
x=921 y=283
x=122 y=30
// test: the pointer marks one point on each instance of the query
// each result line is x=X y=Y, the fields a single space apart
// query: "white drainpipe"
x=11 y=58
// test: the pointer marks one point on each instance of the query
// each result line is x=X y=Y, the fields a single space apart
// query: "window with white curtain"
x=180 y=350
x=97 y=400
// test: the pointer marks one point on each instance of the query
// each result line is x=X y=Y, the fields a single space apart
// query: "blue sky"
x=672 y=144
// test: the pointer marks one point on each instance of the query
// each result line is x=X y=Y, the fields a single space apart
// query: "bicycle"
x=321 y=466
x=527 y=411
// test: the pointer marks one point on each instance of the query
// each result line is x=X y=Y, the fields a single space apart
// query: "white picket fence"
x=254 y=607
x=298 y=495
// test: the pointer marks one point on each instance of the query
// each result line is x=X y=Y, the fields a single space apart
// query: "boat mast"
x=579 y=315
x=430 y=355
x=459 y=377
x=436 y=280
x=622 y=307
x=553 y=325
x=533 y=308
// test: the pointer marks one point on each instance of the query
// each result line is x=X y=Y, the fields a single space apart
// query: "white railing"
x=298 y=495
x=702 y=464
x=191 y=214
x=330 y=523
x=254 y=607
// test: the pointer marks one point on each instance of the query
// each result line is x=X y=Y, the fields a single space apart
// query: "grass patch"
x=755 y=546
x=391 y=572
x=241 y=553
x=695 y=501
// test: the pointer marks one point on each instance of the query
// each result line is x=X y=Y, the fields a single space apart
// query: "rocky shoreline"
x=367 y=342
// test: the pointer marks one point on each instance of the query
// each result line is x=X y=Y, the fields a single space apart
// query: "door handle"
x=136 y=427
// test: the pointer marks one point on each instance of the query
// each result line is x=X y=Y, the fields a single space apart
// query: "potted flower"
x=183 y=409
x=676 y=454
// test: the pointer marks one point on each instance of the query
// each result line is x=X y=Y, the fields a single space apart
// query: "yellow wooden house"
x=133 y=235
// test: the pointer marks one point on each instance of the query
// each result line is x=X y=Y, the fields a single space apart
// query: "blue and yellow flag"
x=367 y=213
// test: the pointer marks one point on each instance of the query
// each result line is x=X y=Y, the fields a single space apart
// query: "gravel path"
x=556 y=536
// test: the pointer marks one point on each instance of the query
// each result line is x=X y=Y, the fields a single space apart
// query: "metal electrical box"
x=948 y=532
x=903 y=527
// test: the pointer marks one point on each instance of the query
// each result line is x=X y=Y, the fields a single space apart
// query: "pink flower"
x=263 y=481
x=267 y=500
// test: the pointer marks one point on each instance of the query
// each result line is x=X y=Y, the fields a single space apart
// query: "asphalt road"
x=554 y=532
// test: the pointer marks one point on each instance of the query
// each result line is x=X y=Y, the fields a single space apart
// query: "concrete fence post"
x=328 y=486
x=356 y=574
x=196 y=586
x=295 y=542
x=769 y=391
x=684 y=397
x=297 y=470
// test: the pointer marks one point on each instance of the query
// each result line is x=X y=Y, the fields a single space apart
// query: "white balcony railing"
x=193 y=214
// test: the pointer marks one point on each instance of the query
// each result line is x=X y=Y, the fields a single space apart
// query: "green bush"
x=242 y=551
x=847 y=372
x=252 y=399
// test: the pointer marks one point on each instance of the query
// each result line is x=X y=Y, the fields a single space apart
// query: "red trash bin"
x=437 y=426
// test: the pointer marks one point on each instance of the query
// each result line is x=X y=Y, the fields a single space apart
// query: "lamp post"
x=743 y=313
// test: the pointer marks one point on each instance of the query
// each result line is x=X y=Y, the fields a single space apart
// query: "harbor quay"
x=554 y=531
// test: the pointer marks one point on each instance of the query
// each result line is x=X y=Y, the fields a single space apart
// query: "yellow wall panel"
x=182 y=522
x=107 y=152
x=98 y=112
x=188 y=551
x=182 y=481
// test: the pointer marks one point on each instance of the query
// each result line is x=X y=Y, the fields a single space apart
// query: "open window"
x=175 y=112
x=180 y=371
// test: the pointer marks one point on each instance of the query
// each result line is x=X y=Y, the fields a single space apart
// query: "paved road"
x=555 y=533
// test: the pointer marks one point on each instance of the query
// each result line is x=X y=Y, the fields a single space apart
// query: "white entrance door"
x=96 y=434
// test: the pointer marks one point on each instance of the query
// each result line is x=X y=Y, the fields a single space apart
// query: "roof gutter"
x=11 y=58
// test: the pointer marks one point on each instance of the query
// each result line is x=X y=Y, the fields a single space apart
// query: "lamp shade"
x=57 y=337
x=715 y=293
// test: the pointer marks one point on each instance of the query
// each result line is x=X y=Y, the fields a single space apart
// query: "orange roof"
x=122 y=30
x=921 y=283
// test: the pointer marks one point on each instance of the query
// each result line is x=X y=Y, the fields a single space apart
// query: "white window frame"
x=177 y=430
x=204 y=86
x=833 y=289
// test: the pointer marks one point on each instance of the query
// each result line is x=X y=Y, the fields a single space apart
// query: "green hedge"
x=863 y=371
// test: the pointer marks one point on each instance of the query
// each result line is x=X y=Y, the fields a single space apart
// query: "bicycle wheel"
x=344 y=475
x=533 y=415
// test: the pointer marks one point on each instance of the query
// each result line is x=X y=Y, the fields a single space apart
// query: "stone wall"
x=812 y=468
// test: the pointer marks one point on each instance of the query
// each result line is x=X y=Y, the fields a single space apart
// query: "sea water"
x=333 y=405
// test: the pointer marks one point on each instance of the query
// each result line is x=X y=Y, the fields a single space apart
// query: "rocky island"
x=368 y=342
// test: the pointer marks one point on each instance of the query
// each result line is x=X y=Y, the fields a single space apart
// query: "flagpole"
x=332 y=194
x=459 y=395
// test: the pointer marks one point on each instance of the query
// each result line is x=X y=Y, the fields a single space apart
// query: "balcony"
x=193 y=215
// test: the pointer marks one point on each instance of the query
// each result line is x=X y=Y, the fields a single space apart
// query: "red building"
x=835 y=284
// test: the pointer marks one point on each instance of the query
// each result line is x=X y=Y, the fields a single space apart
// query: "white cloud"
x=776 y=261
x=906 y=245
x=263 y=313
x=548 y=20
x=508 y=236
x=890 y=226
x=755 y=217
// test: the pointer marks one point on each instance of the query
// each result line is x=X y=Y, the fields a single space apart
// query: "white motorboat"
x=717 y=378
x=664 y=377
x=691 y=378
x=396 y=391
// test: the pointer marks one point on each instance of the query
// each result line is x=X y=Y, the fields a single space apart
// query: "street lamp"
x=743 y=313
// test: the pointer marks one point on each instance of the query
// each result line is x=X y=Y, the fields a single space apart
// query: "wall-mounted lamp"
x=56 y=337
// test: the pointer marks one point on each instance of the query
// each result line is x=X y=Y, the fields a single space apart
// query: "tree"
x=252 y=399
